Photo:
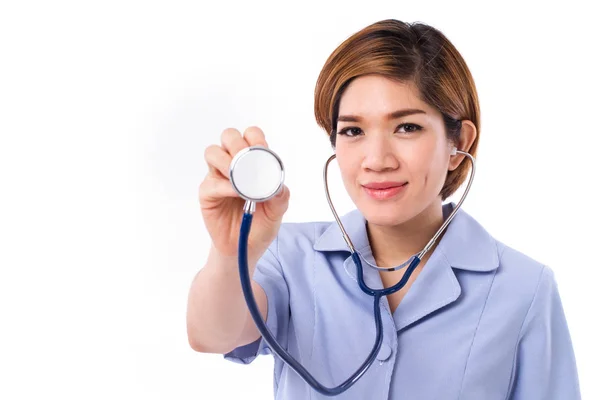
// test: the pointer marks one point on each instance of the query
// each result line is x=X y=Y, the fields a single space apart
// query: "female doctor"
x=477 y=320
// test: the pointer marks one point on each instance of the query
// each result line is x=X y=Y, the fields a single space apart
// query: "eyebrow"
x=392 y=115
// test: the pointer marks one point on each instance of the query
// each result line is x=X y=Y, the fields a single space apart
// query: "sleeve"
x=545 y=361
x=269 y=275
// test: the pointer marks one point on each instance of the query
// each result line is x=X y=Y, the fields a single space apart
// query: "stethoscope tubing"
x=276 y=347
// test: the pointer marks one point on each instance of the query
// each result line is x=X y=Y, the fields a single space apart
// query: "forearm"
x=217 y=312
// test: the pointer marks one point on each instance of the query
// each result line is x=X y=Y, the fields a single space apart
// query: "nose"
x=379 y=154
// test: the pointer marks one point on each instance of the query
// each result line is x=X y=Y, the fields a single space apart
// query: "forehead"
x=378 y=95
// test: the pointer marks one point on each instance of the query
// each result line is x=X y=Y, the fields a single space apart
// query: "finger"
x=216 y=188
x=218 y=161
x=255 y=136
x=232 y=141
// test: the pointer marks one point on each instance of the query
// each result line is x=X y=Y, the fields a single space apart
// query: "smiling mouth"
x=384 y=192
x=384 y=185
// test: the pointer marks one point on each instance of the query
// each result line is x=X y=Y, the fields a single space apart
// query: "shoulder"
x=522 y=279
x=513 y=285
x=301 y=236
x=295 y=241
x=516 y=263
x=469 y=246
x=514 y=276
x=521 y=267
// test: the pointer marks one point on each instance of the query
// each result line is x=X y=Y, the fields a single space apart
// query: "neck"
x=393 y=245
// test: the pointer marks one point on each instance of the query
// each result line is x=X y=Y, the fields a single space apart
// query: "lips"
x=385 y=190
x=384 y=185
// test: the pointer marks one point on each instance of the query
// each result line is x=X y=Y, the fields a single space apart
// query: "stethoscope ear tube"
x=276 y=347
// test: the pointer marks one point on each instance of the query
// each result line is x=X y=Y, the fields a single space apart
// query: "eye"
x=410 y=128
x=350 y=131
x=353 y=131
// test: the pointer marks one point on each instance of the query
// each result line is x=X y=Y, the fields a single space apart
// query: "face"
x=393 y=161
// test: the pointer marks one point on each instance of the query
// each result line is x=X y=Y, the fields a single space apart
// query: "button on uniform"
x=384 y=352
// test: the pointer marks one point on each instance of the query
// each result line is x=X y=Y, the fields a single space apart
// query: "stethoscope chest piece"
x=256 y=173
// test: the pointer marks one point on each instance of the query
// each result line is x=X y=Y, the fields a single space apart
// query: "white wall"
x=105 y=111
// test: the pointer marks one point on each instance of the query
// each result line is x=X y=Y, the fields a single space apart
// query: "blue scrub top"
x=481 y=321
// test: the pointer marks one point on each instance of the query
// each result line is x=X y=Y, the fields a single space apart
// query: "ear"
x=468 y=133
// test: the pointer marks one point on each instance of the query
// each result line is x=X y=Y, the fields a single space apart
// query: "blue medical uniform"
x=480 y=322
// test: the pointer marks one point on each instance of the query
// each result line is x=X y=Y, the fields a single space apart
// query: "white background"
x=105 y=111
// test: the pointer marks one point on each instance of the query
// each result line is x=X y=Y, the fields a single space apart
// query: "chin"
x=391 y=214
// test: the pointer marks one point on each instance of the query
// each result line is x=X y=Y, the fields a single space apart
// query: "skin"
x=378 y=148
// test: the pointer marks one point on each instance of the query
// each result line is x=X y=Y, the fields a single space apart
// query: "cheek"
x=427 y=164
x=438 y=171
x=340 y=160
x=347 y=169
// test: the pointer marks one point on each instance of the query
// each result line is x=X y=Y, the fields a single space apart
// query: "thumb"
x=278 y=205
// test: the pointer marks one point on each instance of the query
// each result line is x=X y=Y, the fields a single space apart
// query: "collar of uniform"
x=466 y=244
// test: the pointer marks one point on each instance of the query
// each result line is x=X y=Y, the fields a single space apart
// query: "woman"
x=476 y=320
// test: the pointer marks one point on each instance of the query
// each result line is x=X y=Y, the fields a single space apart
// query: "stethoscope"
x=257 y=174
